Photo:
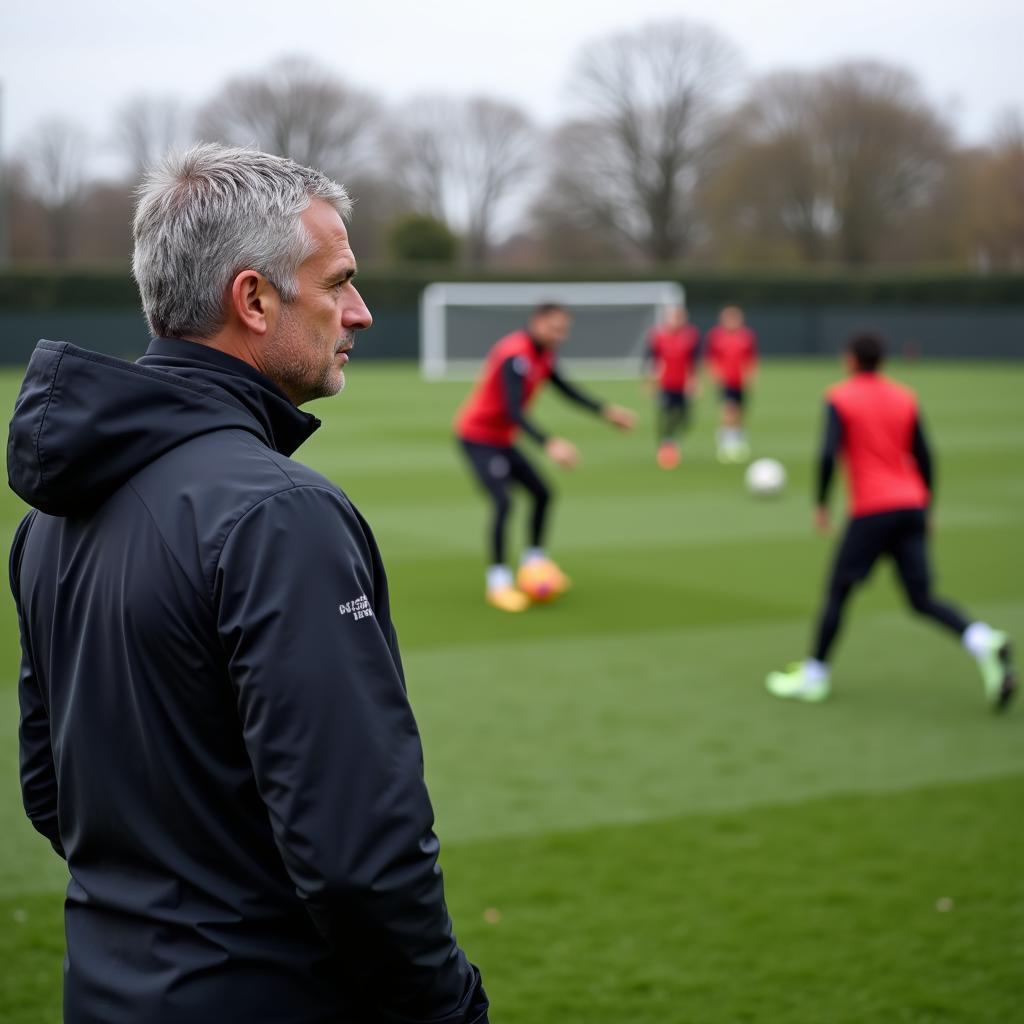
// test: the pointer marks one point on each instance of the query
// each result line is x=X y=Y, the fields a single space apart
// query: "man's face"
x=675 y=317
x=550 y=329
x=731 y=318
x=307 y=351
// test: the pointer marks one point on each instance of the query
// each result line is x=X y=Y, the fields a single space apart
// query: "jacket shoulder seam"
x=268 y=454
x=334 y=492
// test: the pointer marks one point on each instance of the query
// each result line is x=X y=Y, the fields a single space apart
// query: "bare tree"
x=422 y=144
x=146 y=127
x=848 y=162
x=55 y=161
x=649 y=100
x=296 y=109
x=498 y=151
x=464 y=161
x=886 y=151
x=772 y=183
x=380 y=201
x=27 y=218
x=995 y=198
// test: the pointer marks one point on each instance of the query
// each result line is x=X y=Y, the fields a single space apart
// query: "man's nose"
x=355 y=316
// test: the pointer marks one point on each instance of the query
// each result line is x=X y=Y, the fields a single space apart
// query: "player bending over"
x=731 y=353
x=874 y=425
x=487 y=426
x=669 y=361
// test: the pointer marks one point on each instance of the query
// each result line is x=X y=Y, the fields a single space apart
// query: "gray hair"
x=210 y=212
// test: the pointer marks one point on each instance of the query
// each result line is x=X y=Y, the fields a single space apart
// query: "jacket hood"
x=85 y=423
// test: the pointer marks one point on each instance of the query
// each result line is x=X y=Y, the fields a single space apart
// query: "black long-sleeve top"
x=515 y=388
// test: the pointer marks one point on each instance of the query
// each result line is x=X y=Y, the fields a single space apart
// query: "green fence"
x=930 y=314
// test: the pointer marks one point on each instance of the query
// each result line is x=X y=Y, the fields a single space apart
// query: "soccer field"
x=632 y=831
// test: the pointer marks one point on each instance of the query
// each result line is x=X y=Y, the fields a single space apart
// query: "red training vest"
x=732 y=355
x=484 y=418
x=673 y=355
x=878 y=417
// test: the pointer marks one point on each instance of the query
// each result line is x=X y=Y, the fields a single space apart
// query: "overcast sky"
x=81 y=59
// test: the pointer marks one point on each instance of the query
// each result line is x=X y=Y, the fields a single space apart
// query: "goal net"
x=460 y=322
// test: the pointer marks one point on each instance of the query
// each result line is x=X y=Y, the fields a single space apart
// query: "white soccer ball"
x=766 y=478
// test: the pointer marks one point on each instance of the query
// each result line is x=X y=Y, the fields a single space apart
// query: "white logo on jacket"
x=358 y=608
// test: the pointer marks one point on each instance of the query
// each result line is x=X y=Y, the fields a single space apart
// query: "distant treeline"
x=668 y=154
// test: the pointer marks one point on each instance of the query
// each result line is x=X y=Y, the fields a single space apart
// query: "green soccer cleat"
x=794 y=684
x=997 y=671
x=734 y=452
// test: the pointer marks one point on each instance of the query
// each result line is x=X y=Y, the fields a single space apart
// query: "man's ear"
x=254 y=301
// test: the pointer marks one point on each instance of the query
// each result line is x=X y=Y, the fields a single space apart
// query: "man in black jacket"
x=214 y=725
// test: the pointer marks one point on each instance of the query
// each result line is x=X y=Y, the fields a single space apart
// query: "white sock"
x=498 y=577
x=977 y=638
x=532 y=555
x=815 y=671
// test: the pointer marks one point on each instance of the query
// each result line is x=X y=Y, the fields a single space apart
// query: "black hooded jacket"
x=215 y=731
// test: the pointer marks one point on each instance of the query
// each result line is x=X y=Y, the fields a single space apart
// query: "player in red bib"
x=670 y=357
x=487 y=427
x=874 y=426
x=731 y=354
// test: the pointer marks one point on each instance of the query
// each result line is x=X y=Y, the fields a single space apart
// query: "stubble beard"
x=295 y=362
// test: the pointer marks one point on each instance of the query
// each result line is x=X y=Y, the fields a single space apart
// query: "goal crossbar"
x=439 y=297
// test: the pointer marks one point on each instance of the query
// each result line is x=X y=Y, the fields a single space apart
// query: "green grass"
x=663 y=842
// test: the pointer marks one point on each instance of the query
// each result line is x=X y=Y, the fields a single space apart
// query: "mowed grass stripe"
x=566 y=733
x=902 y=907
x=670 y=587
x=417 y=531
x=906 y=907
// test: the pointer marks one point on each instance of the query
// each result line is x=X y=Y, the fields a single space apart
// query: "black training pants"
x=673 y=413
x=496 y=468
x=902 y=535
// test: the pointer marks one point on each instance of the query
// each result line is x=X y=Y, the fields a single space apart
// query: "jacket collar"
x=284 y=426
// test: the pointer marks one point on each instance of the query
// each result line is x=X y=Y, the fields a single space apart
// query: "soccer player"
x=487 y=425
x=874 y=425
x=670 y=359
x=731 y=353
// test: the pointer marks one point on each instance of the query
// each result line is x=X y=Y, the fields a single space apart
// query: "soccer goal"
x=459 y=322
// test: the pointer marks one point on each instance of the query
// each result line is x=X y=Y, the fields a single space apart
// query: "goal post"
x=460 y=321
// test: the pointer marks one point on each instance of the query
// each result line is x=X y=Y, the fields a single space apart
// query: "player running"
x=874 y=424
x=669 y=362
x=487 y=426
x=731 y=353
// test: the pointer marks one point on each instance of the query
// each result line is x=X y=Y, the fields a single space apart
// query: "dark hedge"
x=400 y=288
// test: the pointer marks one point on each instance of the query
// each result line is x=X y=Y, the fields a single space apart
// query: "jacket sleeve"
x=38 y=775
x=336 y=753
